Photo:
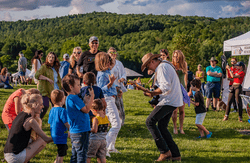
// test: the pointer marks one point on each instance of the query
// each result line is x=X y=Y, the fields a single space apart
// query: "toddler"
x=200 y=108
x=59 y=124
x=97 y=142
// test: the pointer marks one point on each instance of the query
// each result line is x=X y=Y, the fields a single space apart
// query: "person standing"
x=87 y=59
x=64 y=66
x=164 y=54
x=213 y=85
x=119 y=71
x=231 y=79
x=75 y=56
x=22 y=65
x=171 y=97
x=200 y=75
x=36 y=64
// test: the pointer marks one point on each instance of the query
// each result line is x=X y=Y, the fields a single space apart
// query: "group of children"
x=74 y=121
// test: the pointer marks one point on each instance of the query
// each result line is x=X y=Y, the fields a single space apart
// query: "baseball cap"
x=66 y=56
x=93 y=38
x=240 y=64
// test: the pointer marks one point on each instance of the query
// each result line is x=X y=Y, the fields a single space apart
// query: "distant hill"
x=132 y=35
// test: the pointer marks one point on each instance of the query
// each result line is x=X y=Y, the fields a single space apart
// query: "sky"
x=13 y=10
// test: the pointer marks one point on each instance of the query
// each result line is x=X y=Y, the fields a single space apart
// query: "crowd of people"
x=85 y=91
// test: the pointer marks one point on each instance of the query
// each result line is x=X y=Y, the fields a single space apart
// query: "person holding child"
x=49 y=79
x=200 y=108
x=105 y=80
x=78 y=117
x=59 y=125
x=100 y=124
x=13 y=105
x=17 y=147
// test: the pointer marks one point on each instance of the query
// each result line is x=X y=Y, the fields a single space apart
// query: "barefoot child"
x=97 y=142
x=78 y=117
x=59 y=124
x=200 y=109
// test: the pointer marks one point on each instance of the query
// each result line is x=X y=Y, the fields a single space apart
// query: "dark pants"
x=233 y=100
x=46 y=101
x=160 y=133
x=234 y=94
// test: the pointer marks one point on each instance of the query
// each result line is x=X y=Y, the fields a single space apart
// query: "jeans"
x=114 y=119
x=120 y=107
x=160 y=133
x=80 y=143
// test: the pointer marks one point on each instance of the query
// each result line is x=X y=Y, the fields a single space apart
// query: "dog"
x=220 y=105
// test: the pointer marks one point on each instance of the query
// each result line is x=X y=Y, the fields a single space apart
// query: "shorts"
x=22 y=73
x=200 y=118
x=213 y=88
x=15 y=158
x=62 y=149
x=97 y=148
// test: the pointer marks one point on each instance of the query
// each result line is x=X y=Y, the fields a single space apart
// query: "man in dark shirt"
x=87 y=59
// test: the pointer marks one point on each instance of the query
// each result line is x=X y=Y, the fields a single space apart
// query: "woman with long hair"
x=178 y=60
x=49 y=79
x=164 y=54
x=5 y=78
x=119 y=72
x=77 y=51
x=36 y=64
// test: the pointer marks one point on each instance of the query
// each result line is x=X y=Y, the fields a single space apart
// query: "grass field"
x=137 y=145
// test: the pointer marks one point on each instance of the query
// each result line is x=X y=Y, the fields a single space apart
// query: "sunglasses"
x=95 y=43
x=113 y=52
x=77 y=52
x=233 y=61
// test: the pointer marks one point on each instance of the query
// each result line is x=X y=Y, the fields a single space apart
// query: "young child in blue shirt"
x=200 y=108
x=78 y=117
x=59 y=124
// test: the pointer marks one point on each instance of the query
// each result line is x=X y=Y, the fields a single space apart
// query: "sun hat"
x=147 y=58
x=213 y=59
x=93 y=38
x=66 y=56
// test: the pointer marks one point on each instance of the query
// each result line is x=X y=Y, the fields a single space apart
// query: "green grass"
x=137 y=145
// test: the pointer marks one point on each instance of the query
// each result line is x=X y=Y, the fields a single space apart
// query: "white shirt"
x=169 y=83
x=119 y=72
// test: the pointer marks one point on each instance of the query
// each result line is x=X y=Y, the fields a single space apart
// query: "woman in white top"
x=36 y=64
x=119 y=72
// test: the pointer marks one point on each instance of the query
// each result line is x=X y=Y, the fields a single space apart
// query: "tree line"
x=133 y=35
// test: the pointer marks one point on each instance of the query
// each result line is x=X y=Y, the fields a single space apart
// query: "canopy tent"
x=238 y=46
x=131 y=73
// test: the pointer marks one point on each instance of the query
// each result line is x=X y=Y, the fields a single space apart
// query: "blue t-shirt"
x=57 y=118
x=78 y=121
x=212 y=78
x=97 y=91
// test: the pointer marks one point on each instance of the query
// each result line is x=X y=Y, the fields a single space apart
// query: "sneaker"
x=107 y=154
x=113 y=151
x=234 y=111
x=209 y=135
x=199 y=137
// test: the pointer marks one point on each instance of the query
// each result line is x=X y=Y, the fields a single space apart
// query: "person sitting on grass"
x=5 y=78
x=17 y=147
x=59 y=124
x=200 y=109
x=97 y=140
x=78 y=117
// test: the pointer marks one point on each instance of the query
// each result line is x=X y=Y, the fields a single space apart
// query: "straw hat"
x=147 y=58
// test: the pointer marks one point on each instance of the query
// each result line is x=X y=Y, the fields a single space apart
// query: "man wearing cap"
x=213 y=85
x=22 y=65
x=64 y=66
x=169 y=90
x=87 y=59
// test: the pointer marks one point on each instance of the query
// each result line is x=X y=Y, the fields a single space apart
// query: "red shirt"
x=229 y=76
x=239 y=80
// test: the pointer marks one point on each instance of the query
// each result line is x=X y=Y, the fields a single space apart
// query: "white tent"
x=238 y=46
x=130 y=73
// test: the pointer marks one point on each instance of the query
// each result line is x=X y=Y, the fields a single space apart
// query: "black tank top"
x=18 y=138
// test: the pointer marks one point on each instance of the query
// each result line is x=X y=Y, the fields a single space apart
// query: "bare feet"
x=175 y=131
x=181 y=131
